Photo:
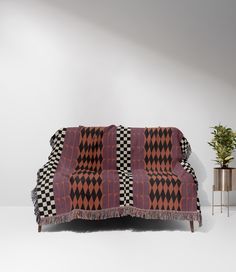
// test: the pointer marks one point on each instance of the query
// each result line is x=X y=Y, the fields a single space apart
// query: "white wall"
x=136 y=63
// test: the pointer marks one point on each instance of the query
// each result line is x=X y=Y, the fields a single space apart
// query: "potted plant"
x=223 y=143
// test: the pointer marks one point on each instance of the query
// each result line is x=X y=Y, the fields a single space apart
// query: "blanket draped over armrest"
x=104 y=172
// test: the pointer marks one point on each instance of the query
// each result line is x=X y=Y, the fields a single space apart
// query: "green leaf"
x=223 y=143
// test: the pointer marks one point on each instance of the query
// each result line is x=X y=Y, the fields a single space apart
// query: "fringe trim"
x=34 y=198
x=120 y=212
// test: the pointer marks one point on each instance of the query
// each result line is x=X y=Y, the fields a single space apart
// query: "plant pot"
x=223 y=179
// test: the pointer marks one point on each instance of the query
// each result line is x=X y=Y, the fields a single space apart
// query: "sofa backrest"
x=150 y=149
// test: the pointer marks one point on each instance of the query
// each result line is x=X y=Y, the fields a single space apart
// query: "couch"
x=104 y=172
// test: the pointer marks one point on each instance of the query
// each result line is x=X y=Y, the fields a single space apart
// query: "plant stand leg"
x=191 y=226
x=39 y=228
x=213 y=200
x=221 y=201
x=228 y=203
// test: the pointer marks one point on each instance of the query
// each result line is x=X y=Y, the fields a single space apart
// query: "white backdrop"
x=136 y=63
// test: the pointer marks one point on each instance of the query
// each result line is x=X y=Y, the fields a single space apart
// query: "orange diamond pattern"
x=164 y=191
x=90 y=149
x=157 y=149
x=85 y=190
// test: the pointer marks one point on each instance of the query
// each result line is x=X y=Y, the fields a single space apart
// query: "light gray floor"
x=117 y=245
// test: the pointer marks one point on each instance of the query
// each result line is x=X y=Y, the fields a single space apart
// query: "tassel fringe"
x=120 y=212
x=34 y=198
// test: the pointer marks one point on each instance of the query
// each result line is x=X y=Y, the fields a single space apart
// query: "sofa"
x=97 y=173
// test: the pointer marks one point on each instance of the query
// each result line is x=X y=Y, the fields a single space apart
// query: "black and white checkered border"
x=187 y=166
x=45 y=195
x=123 y=164
x=185 y=148
x=126 y=188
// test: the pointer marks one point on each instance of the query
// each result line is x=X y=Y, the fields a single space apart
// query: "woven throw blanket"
x=104 y=172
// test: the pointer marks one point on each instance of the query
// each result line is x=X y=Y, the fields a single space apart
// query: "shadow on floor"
x=128 y=223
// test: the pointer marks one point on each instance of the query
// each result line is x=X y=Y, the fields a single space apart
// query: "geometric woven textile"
x=44 y=188
x=158 y=149
x=85 y=182
x=123 y=163
x=164 y=191
x=187 y=166
x=185 y=148
x=90 y=147
x=85 y=190
x=113 y=171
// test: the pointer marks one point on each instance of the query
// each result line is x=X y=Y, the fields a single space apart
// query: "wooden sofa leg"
x=191 y=226
x=39 y=228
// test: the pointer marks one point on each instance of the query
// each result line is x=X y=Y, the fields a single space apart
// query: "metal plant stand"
x=224 y=181
x=221 y=205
